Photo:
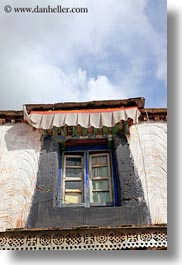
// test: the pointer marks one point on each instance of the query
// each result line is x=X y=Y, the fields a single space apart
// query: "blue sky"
x=117 y=50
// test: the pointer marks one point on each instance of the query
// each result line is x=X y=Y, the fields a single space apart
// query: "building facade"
x=89 y=175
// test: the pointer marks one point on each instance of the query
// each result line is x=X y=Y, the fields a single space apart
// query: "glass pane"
x=101 y=197
x=99 y=160
x=73 y=198
x=74 y=172
x=73 y=185
x=100 y=172
x=100 y=184
x=74 y=161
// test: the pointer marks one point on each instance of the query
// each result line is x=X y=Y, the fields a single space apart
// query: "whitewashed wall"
x=19 y=156
x=148 y=145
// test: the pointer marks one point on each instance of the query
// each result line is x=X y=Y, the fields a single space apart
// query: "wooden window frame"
x=69 y=179
x=108 y=178
x=86 y=177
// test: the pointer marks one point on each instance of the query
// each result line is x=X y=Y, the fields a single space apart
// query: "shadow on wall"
x=44 y=212
x=21 y=136
x=133 y=203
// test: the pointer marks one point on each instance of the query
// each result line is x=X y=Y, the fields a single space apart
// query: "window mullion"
x=109 y=172
x=86 y=179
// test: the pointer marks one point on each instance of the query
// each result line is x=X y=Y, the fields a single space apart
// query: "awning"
x=86 y=118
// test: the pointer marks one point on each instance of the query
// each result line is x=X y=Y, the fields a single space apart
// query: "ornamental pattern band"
x=83 y=240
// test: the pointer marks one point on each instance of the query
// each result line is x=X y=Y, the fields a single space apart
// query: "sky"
x=117 y=50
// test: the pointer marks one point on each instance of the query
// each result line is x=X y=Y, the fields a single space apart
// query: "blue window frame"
x=87 y=177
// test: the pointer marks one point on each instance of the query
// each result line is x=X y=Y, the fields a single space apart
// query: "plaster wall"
x=19 y=157
x=29 y=180
x=148 y=146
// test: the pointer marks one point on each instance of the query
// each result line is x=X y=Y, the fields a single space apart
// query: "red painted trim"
x=84 y=142
x=81 y=111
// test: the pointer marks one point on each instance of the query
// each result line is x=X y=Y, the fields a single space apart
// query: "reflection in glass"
x=73 y=198
x=73 y=185
x=100 y=185
x=73 y=161
x=101 y=197
x=100 y=172
x=73 y=172
x=99 y=160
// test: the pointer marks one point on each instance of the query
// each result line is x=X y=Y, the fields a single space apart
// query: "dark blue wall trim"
x=87 y=147
x=115 y=179
x=59 y=180
x=86 y=185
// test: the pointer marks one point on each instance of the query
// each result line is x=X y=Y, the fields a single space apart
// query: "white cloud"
x=162 y=71
x=42 y=55
x=101 y=88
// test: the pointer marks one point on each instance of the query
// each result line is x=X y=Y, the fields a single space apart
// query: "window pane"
x=100 y=184
x=101 y=197
x=73 y=198
x=100 y=172
x=74 y=172
x=74 y=161
x=73 y=185
x=99 y=160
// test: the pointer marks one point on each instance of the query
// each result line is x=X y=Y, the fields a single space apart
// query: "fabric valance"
x=84 y=117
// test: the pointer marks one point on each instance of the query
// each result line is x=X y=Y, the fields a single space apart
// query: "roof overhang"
x=97 y=114
x=97 y=118
x=99 y=104
x=155 y=114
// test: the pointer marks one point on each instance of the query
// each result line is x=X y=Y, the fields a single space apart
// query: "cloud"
x=161 y=73
x=104 y=54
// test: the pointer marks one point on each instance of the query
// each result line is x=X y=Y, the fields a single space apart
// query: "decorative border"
x=45 y=112
x=88 y=239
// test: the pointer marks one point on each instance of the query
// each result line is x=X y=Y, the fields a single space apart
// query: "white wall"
x=148 y=145
x=19 y=156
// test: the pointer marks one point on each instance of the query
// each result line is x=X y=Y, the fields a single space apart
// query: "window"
x=87 y=178
x=73 y=178
x=100 y=178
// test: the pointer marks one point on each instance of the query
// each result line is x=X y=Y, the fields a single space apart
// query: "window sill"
x=86 y=206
